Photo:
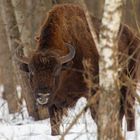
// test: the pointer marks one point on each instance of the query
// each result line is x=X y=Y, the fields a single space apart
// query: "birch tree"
x=108 y=111
x=108 y=117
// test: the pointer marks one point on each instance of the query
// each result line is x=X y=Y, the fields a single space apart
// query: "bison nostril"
x=42 y=90
x=43 y=87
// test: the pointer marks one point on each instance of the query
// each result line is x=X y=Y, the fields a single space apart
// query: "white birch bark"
x=108 y=118
x=108 y=115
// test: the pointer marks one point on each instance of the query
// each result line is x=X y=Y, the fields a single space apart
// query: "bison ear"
x=24 y=67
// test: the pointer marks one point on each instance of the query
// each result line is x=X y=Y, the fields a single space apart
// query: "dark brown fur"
x=67 y=24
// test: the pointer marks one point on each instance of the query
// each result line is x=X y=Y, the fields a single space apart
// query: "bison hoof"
x=55 y=133
x=130 y=125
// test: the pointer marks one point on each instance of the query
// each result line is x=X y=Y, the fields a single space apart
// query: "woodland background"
x=20 y=21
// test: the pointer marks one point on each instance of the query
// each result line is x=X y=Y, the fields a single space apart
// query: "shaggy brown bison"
x=56 y=68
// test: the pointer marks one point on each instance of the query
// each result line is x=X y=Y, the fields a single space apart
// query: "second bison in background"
x=56 y=68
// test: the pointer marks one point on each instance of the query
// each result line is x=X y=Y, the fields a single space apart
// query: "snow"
x=84 y=129
x=4 y=111
x=40 y=130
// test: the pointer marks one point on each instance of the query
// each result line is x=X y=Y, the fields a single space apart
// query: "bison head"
x=45 y=70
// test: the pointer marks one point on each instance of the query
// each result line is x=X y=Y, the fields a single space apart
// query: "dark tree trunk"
x=6 y=71
x=12 y=33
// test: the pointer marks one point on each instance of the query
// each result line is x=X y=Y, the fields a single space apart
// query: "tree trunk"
x=108 y=117
x=95 y=7
x=12 y=33
x=21 y=18
x=6 y=71
x=20 y=8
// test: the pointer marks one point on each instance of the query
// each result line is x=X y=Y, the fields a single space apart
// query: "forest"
x=22 y=22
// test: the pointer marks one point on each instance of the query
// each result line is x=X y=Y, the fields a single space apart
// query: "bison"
x=56 y=68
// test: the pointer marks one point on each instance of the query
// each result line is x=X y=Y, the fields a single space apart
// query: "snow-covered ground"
x=84 y=129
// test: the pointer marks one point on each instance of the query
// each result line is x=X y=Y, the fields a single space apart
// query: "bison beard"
x=56 y=68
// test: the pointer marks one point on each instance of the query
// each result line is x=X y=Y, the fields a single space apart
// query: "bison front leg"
x=123 y=91
x=56 y=115
x=130 y=112
x=127 y=107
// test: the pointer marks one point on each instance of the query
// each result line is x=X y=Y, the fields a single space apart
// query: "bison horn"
x=20 y=57
x=69 y=56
